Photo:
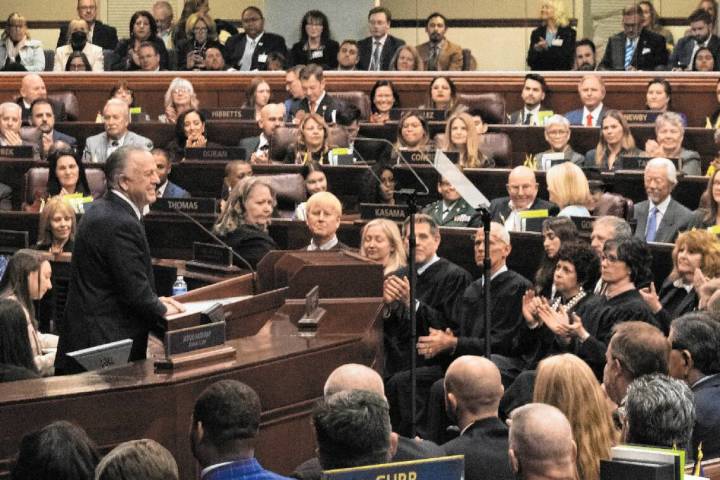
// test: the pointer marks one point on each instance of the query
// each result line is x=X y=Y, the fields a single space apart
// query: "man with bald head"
x=116 y=118
x=592 y=93
x=522 y=188
x=473 y=390
x=32 y=87
x=272 y=117
x=541 y=444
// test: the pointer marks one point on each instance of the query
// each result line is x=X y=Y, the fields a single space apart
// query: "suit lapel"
x=642 y=219
x=667 y=222
x=619 y=55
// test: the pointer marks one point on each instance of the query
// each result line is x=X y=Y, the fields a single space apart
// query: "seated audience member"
x=66 y=176
x=407 y=59
x=315 y=181
x=696 y=252
x=439 y=53
x=472 y=395
x=116 y=117
x=592 y=93
x=557 y=135
x=78 y=42
x=201 y=34
x=552 y=44
x=143 y=458
x=163 y=14
x=16 y=355
x=142 y=29
x=214 y=61
x=634 y=48
x=607 y=228
x=251 y=49
x=658 y=97
x=413 y=134
x=348 y=55
x=26 y=280
x=710 y=7
x=451 y=210
x=32 y=87
x=566 y=382
x=461 y=135
x=323 y=219
x=616 y=142
x=244 y=222
x=312 y=140
x=694 y=360
x=709 y=216
x=17 y=49
x=700 y=35
x=235 y=171
x=316 y=45
x=104 y=36
x=651 y=21
x=190 y=132
x=10 y=124
x=179 y=98
x=149 y=58
x=56 y=231
x=165 y=188
x=669 y=135
x=77 y=62
x=43 y=118
x=660 y=412
x=556 y=232
x=122 y=91
x=541 y=444
x=294 y=89
x=225 y=427
x=5 y=197
x=704 y=61
x=532 y=94
x=379 y=185
x=568 y=189
x=380 y=241
x=277 y=62
x=352 y=429
x=660 y=217
x=383 y=98
x=442 y=95
x=58 y=451
x=377 y=50
x=256 y=148
x=363 y=150
x=585 y=55
x=316 y=99
x=257 y=96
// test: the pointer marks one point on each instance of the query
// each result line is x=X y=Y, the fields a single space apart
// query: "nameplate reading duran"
x=418 y=156
x=441 y=468
x=212 y=254
x=231 y=113
x=17 y=151
x=369 y=211
x=215 y=154
x=640 y=116
x=428 y=114
x=639 y=163
x=11 y=241
x=187 y=205
x=194 y=338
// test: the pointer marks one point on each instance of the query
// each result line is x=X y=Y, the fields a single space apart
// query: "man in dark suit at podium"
x=249 y=50
x=377 y=50
x=112 y=295
x=100 y=34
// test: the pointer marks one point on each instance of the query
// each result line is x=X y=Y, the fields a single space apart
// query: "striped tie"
x=629 y=51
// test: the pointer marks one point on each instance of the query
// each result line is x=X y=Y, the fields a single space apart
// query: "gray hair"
x=178 y=82
x=117 y=162
x=619 y=225
x=660 y=411
x=557 y=120
x=421 y=218
x=119 y=103
x=671 y=118
x=12 y=105
x=500 y=230
x=669 y=166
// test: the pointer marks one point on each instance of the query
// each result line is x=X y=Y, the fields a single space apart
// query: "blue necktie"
x=652 y=225
x=629 y=51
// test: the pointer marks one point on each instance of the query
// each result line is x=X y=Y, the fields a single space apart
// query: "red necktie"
x=588 y=120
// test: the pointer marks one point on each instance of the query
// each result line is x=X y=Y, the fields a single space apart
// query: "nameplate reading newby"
x=190 y=339
x=640 y=116
x=209 y=253
x=11 y=241
x=215 y=154
x=230 y=113
x=368 y=211
x=441 y=468
x=187 y=205
x=17 y=151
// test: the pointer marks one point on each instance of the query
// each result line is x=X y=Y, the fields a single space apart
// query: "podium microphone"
x=220 y=242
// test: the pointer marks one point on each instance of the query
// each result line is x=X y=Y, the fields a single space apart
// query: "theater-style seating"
x=357 y=98
x=499 y=146
x=614 y=204
x=490 y=106
x=289 y=190
x=469 y=62
x=72 y=107
x=35 y=183
x=284 y=141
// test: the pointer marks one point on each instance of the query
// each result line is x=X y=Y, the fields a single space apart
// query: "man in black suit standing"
x=100 y=34
x=377 y=50
x=635 y=48
x=683 y=55
x=112 y=289
x=249 y=50
x=316 y=98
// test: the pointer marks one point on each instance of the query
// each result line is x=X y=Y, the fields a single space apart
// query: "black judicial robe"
x=437 y=290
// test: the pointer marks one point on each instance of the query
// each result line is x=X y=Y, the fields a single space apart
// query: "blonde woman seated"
x=56 y=231
x=179 y=98
x=312 y=140
x=406 y=59
x=381 y=242
x=557 y=135
x=568 y=189
x=669 y=133
x=616 y=142
x=461 y=135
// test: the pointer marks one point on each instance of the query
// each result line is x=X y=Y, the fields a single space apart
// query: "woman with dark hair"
x=552 y=45
x=257 y=95
x=704 y=61
x=16 y=356
x=315 y=181
x=442 y=95
x=709 y=216
x=383 y=98
x=123 y=91
x=58 y=451
x=413 y=134
x=66 y=174
x=77 y=62
x=142 y=29
x=190 y=132
x=616 y=141
x=201 y=34
x=56 y=231
x=713 y=121
x=383 y=191
x=658 y=97
x=316 y=44
x=650 y=21
x=556 y=232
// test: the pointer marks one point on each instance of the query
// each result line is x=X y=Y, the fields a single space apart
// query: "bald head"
x=541 y=443
x=353 y=376
x=473 y=385
x=522 y=187
x=272 y=116
x=32 y=87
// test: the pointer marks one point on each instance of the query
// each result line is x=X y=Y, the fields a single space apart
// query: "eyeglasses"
x=557 y=133
x=200 y=29
x=610 y=258
x=518 y=188
x=251 y=19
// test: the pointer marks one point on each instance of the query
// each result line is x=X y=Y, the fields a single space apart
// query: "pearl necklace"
x=571 y=303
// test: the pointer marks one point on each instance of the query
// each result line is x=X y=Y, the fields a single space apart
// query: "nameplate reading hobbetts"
x=16 y=151
x=231 y=114
x=215 y=154
x=187 y=205
x=194 y=338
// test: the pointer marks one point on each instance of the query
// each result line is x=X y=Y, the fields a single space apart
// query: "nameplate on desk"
x=187 y=205
x=441 y=468
x=209 y=253
x=12 y=240
x=230 y=113
x=639 y=163
x=640 y=116
x=584 y=224
x=418 y=156
x=17 y=151
x=428 y=114
x=368 y=211
x=190 y=339
x=215 y=154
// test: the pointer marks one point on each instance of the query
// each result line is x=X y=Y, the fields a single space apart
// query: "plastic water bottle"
x=179 y=287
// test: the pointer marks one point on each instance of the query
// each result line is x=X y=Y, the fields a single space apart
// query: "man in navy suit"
x=100 y=34
x=43 y=118
x=249 y=50
x=377 y=50
x=683 y=55
x=592 y=93
x=166 y=188
x=316 y=98
x=635 y=48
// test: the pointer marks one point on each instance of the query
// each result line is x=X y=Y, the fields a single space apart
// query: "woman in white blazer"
x=17 y=47
x=77 y=40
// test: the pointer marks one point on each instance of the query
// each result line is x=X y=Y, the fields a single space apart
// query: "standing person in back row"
x=377 y=49
x=439 y=53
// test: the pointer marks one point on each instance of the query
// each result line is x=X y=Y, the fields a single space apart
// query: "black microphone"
x=217 y=239
x=401 y=158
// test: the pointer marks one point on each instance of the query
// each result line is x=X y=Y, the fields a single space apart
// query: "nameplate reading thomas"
x=215 y=154
x=17 y=151
x=190 y=339
x=187 y=205
x=442 y=468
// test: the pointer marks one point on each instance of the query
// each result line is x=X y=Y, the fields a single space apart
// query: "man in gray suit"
x=660 y=217
x=272 y=117
x=116 y=117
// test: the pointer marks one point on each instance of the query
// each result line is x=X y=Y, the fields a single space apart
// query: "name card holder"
x=584 y=225
x=418 y=156
x=215 y=154
x=434 y=114
x=369 y=211
x=231 y=113
x=308 y=323
x=195 y=346
x=11 y=241
x=640 y=117
x=23 y=152
x=208 y=257
x=187 y=205
x=638 y=163
x=441 y=468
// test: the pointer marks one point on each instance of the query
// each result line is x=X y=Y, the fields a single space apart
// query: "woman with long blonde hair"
x=462 y=136
x=568 y=383
x=381 y=241
x=552 y=45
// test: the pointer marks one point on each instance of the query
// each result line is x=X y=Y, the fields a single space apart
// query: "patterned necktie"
x=432 y=61
x=652 y=225
x=629 y=51
x=589 y=120
x=375 y=61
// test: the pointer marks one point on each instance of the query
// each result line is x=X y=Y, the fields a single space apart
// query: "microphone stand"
x=486 y=219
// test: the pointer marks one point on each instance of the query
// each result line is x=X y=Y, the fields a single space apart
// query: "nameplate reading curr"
x=215 y=154
x=11 y=241
x=187 y=205
x=190 y=339
x=17 y=151
x=442 y=468
x=368 y=211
